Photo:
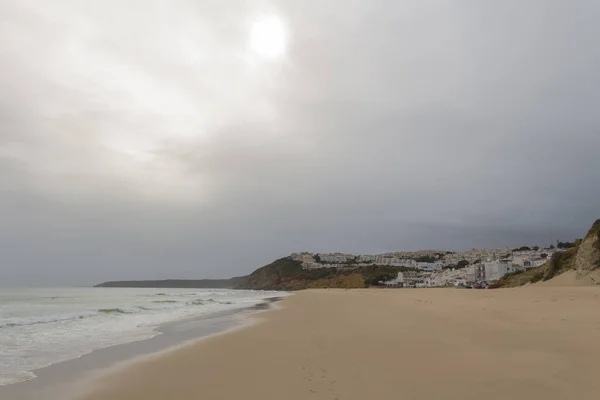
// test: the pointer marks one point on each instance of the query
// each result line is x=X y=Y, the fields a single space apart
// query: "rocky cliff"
x=588 y=254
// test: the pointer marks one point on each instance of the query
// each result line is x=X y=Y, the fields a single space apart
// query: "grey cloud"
x=144 y=140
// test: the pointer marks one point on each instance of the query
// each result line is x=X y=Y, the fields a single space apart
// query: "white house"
x=398 y=281
x=539 y=262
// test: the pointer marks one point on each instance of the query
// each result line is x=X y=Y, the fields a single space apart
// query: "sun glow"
x=268 y=37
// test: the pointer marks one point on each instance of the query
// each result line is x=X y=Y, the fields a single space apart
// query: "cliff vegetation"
x=287 y=274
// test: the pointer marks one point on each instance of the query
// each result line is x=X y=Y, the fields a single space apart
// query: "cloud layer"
x=147 y=140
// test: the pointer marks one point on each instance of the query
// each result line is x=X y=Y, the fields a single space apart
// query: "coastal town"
x=476 y=268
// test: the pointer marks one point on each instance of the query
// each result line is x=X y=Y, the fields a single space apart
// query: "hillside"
x=282 y=274
x=287 y=274
x=178 y=283
x=583 y=260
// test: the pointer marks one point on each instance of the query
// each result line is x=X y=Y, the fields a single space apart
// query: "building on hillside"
x=335 y=258
x=470 y=274
x=519 y=260
x=494 y=270
x=523 y=261
x=538 y=262
x=515 y=268
x=304 y=258
x=406 y=262
x=398 y=282
x=383 y=260
x=393 y=261
x=412 y=279
x=425 y=266
x=479 y=273
x=365 y=259
x=313 y=266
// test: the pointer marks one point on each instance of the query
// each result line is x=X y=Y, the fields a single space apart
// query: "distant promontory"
x=178 y=283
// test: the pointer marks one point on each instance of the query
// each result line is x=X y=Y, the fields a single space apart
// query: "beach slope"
x=526 y=343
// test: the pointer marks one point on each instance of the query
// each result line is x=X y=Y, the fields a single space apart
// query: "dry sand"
x=526 y=343
x=570 y=278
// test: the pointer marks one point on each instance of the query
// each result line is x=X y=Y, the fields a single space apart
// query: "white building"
x=312 y=266
x=394 y=261
x=494 y=270
x=425 y=266
x=539 y=262
x=304 y=258
x=479 y=273
x=471 y=275
x=411 y=279
x=335 y=258
x=399 y=281
x=365 y=259
x=515 y=268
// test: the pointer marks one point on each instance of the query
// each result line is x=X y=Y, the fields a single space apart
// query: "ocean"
x=41 y=327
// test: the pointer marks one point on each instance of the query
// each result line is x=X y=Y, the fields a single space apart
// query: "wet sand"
x=525 y=343
x=63 y=380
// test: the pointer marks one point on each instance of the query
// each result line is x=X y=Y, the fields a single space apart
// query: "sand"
x=570 y=278
x=525 y=343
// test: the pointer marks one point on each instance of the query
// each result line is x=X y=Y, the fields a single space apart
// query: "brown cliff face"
x=588 y=254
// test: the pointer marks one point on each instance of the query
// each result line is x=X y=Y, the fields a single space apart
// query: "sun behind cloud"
x=268 y=37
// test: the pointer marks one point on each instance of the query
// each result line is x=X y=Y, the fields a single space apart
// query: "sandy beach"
x=526 y=343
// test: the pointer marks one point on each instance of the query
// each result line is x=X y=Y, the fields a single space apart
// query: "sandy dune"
x=526 y=343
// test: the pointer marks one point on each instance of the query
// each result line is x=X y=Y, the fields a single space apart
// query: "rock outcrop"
x=588 y=254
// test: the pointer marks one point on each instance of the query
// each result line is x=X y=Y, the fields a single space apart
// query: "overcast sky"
x=150 y=139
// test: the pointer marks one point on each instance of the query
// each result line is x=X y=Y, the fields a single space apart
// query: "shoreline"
x=525 y=343
x=74 y=374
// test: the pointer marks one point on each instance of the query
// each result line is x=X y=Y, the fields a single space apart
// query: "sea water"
x=41 y=327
